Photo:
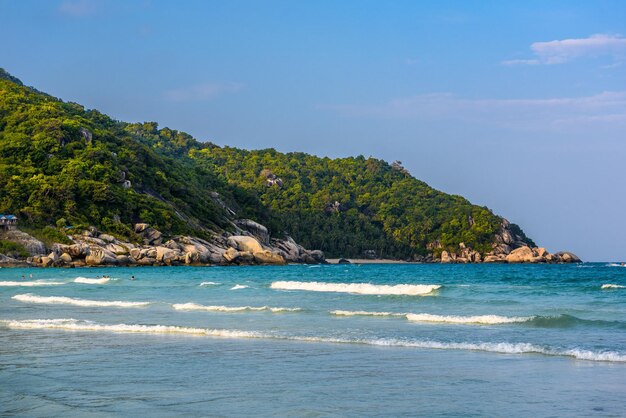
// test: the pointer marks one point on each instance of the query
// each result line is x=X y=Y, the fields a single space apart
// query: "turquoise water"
x=332 y=340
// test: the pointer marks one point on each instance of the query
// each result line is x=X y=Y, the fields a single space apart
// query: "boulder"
x=146 y=261
x=135 y=253
x=151 y=236
x=46 y=261
x=140 y=227
x=107 y=238
x=268 y=257
x=59 y=249
x=445 y=257
x=123 y=260
x=192 y=257
x=343 y=261
x=31 y=244
x=166 y=255
x=230 y=254
x=244 y=243
x=99 y=256
x=317 y=256
x=520 y=255
x=11 y=262
x=66 y=258
x=78 y=250
x=494 y=259
x=568 y=257
x=540 y=252
x=255 y=228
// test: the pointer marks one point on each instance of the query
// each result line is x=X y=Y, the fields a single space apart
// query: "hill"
x=64 y=168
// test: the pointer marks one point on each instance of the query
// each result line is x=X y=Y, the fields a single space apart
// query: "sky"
x=518 y=106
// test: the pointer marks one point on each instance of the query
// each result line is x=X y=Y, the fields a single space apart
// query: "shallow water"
x=333 y=340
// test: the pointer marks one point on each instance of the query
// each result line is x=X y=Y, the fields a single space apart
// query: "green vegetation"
x=12 y=249
x=66 y=166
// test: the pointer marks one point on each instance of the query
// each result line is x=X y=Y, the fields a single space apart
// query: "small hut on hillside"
x=8 y=221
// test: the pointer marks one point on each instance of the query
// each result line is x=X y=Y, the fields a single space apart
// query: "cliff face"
x=69 y=169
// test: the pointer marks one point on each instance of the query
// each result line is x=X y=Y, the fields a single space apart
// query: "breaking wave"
x=494 y=347
x=208 y=284
x=30 y=284
x=364 y=313
x=558 y=321
x=87 y=280
x=612 y=286
x=358 y=288
x=476 y=319
x=239 y=286
x=62 y=300
x=197 y=307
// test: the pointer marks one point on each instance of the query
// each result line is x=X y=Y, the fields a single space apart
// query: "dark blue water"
x=336 y=340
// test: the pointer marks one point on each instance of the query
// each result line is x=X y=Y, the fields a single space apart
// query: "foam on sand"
x=494 y=347
x=612 y=286
x=476 y=319
x=358 y=288
x=30 y=284
x=197 y=307
x=239 y=286
x=87 y=280
x=62 y=300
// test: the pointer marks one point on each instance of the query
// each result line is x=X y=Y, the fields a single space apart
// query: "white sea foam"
x=612 y=286
x=616 y=265
x=30 y=284
x=476 y=319
x=197 y=307
x=494 y=347
x=239 y=286
x=450 y=319
x=358 y=288
x=209 y=284
x=87 y=280
x=79 y=325
x=364 y=313
x=62 y=300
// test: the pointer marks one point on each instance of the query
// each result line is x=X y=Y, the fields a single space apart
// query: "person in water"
x=132 y=277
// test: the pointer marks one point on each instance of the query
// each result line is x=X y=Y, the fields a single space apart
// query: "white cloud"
x=566 y=50
x=77 y=8
x=201 y=92
x=607 y=109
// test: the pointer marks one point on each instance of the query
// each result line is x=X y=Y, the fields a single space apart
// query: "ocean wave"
x=62 y=300
x=87 y=280
x=612 y=286
x=358 y=288
x=30 y=284
x=615 y=265
x=239 y=286
x=476 y=319
x=494 y=347
x=80 y=325
x=197 y=307
x=209 y=284
x=364 y=313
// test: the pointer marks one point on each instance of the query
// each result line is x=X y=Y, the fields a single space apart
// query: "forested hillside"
x=65 y=166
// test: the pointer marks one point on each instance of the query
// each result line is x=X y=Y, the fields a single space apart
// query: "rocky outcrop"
x=32 y=245
x=295 y=253
x=522 y=254
x=251 y=246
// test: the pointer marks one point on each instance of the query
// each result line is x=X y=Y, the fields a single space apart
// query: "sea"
x=387 y=340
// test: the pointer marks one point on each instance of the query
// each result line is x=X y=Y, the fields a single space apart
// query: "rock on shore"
x=250 y=245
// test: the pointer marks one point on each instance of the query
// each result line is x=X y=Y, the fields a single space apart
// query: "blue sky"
x=518 y=106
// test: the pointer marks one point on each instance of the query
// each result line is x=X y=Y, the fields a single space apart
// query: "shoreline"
x=370 y=261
